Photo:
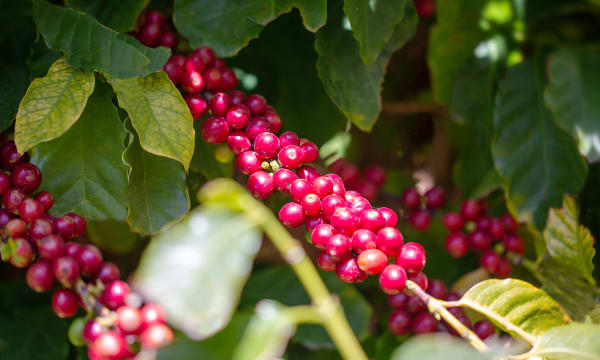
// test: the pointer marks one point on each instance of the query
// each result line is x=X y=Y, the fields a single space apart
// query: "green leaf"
x=229 y=26
x=157 y=193
x=119 y=15
x=386 y=344
x=373 y=24
x=159 y=115
x=335 y=148
x=569 y=342
x=90 y=45
x=196 y=269
x=114 y=236
x=267 y=334
x=204 y=160
x=357 y=96
x=435 y=347
x=538 y=159
x=14 y=80
x=452 y=41
x=217 y=347
x=573 y=94
x=40 y=59
x=569 y=242
x=515 y=306
x=594 y=315
x=52 y=104
x=281 y=284
x=83 y=169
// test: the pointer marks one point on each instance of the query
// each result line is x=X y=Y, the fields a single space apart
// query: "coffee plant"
x=343 y=179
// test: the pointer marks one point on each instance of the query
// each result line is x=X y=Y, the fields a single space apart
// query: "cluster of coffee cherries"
x=410 y=314
x=366 y=182
x=493 y=237
x=153 y=30
x=46 y=246
x=420 y=207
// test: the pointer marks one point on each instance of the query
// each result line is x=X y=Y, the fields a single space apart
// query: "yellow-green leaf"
x=516 y=307
x=159 y=115
x=570 y=342
x=52 y=104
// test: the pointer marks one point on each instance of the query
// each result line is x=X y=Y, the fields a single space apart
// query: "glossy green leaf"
x=516 y=306
x=357 y=96
x=229 y=26
x=538 y=159
x=569 y=342
x=281 y=284
x=435 y=347
x=119 y=15
x=52 y=104
x=159 y=115
x=113 y=236
x=267 y=334
x=196 y=269
x=373 y=24
x=569 y=242
x=217 y=347
x=157 y=193
x=88 y=44
x=573 y=95
x=83 y=169
x=40 y=59
x=452 y=42
x=14 y=80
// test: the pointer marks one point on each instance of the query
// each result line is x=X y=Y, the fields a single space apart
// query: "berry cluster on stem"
x=421 y=207
x=366 y=182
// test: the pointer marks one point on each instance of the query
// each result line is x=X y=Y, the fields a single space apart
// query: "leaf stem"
x=436 y=306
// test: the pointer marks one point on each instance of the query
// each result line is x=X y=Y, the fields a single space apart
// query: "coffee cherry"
x=490 y=260
x=371 y=219
x=312 y=222
x=338 y=184
x=40 y=228
x=321 y=234
x=425 y=8
x=504 y=268
x=152 y=314
x=64 y=303
x=282 y=180
x=347 y=270
x=5 y=182
x=238 y=116
x=424 y=323
x=219 y=104
x=362 y=240
x=310 y=152
x=213 y=78
x=156 y=336
x=483 y=223
x=114 y=294
x=419 y=279
x=390 y=241
x=357 y=204
x=291 y=215
x=215 y=130
x=110 y=345
x=470 y=209
x=260 y=184
x=50 y=247
x=344 y=221
x=411 y=198
x=290 y=157
x=510 y=223
x=45 y=199
x=229 y=81
x=12 y=198
x=207 y=55
x=322 y=186
x=372 y=261
x=437 y=289
x=238 y=142
x=435 y=198
x=330 y=203
x=513 y=243
x=256 y=103
x=65 y=226
x=392 y=279
x=247 y=163
x=90 y=260
x=174 y=70
x=80 y=224
x=397 y=301
x=338 y=246
x=266 y=145
x=289 y=138
x=496 y=229
x=5 y=217
x=308 y=172
x=30 y=209
x=197 y=105
x=108 y=273
x=72 y=249
x=194 y=63
x=66 y=270
x=10 y=156
x=326 y=262
x=399 y=322
x=129 y=319
x=367 y=189
x=192 y=81
x=420 y=220
x=414 y=305
x=453 y=221
x=300 y=188
x=256 y=126
x=40 y=277
x=16 y=228
x=376 y=174
x=484 y=329
x=91 y=331
x=480 y=240
x=23 y=253
x=411 y=258
x=391 y=219
x=149 y=34
x=311 y=205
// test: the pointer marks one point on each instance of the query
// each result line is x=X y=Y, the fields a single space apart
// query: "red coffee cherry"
x=412 y=258
x=390 y=241
x=457 y=244
x=399 y=322
x=392 y=279
x=372 y=261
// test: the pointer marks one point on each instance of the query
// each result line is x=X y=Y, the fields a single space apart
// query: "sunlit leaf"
x=569 y=342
